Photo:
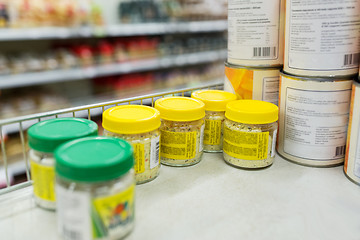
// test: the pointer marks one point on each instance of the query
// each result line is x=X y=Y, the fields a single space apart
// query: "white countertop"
x=213 y=200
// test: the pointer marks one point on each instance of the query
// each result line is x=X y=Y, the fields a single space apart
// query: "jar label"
x=73 y=210
x=178 y=145
x=155 y=152
x=246 y=145
x=212 y=133
x=113 y=212
x=139 y=156
x=43 y=181
x=81 y=218
x=201 y=147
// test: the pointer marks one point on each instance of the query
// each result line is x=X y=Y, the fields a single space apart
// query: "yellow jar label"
x=139 y=156
x=178 y=145
x=112 y=211
x=246 y=145
x=212 y=132
x=43 y=181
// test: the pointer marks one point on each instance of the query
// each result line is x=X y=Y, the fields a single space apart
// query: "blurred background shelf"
x=32 y=79
x=120 y=30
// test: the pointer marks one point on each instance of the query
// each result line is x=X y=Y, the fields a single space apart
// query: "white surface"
x=112 y=30
x=213 y=200
x=38 y=78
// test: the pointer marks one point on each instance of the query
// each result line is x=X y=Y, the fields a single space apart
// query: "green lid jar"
x=95 y=183
x=44 y=137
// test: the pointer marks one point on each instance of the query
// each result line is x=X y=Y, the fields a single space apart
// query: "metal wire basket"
x=21 y=124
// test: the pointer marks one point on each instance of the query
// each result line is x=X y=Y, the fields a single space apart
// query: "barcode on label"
x=155 y=152
x=71 y=234
x=340 y=151
x=264 y=52
x=351 y=59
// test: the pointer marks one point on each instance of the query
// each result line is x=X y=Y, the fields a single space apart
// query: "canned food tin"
x=313 y=119
x=256 y=32
x=253 y=83
x=322 y=39
x=352 y=157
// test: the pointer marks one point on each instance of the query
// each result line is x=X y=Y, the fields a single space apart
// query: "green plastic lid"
x=94 y=159
x=47 y=135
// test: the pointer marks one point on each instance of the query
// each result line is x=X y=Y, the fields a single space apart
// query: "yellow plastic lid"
x=252 y=112
x=180 y=109
x=215 y=100
x=131 y=119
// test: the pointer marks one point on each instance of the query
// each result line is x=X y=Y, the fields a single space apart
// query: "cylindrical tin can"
x=352 y=157
x=256 y=32
x=313 y=120
x=253 y=83
x=322 y=39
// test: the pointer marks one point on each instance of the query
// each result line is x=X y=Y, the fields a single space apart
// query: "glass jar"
x=44 y=137
x=95 y=185
x=250 y=130
x=139 y=125
x=182 y=130
x=215 y=104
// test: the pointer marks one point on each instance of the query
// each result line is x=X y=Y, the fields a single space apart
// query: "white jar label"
x=73 y=208
x=201 y=145
x=253 y=29
x=273 y=143
x=316 y=123
x=155 y=152
x=322 y=35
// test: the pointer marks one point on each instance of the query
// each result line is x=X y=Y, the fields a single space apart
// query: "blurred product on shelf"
x=45 y=13
x=18 y=102
x=79 y=13
x=127 y=85
x=107 y=51
x=159 y=11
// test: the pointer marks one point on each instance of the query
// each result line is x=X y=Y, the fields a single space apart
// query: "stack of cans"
x=255 y=48
x=320 y=60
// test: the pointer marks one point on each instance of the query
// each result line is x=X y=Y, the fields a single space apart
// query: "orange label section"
x=242 y=81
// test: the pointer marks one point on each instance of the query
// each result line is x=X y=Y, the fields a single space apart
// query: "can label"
x=246 y=145
x=82 y=217
x=178 y=145
x=352 y=159
x=254 y=30
x=253 y=84
x=43 y=181
x=313 y=119
x=322 y=37
x=212 y=133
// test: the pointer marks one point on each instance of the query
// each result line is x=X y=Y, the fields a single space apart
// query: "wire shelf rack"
x=87 y=111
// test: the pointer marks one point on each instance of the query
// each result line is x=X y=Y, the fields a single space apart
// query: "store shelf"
x=38 y=78
x=112 y=31
x=13 y=128
x=213 y=200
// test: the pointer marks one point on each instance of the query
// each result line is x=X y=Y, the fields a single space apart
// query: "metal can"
x=322 y=39
x=352 y=157
x=253 y=83
x=313 y=120
x=256 y=32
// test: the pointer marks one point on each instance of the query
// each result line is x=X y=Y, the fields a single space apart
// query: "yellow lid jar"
x=215 y=104
x=139 y=125
x=250 y=130
x=182 y=130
